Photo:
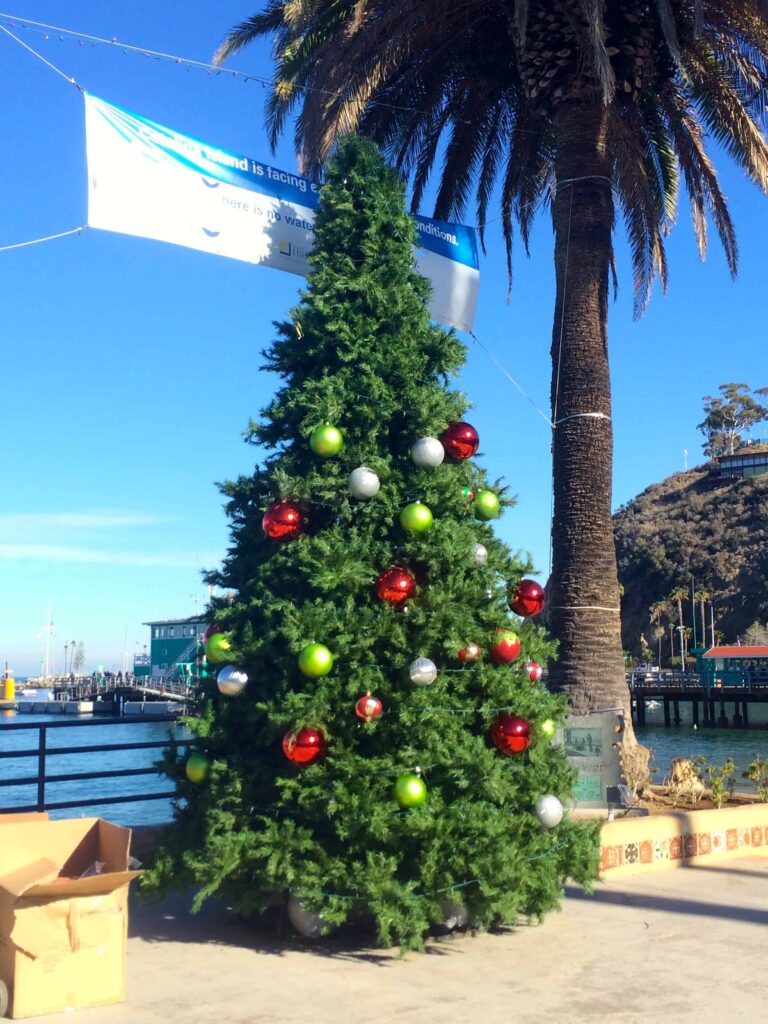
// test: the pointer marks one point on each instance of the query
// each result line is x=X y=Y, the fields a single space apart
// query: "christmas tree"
x=371 y=735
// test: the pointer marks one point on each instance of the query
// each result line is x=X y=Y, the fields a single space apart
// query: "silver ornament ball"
x=455 y=915
x=307 y=923
x=481 y=554
x=363 y=483
x=428 y=452
x=549 y=811
x=422 y=672
x=231 y=681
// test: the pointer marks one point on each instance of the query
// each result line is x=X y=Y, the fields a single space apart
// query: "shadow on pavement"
x=271 y=933
x=671 y=905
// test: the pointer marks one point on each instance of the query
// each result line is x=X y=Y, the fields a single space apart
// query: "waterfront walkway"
x=684 y=945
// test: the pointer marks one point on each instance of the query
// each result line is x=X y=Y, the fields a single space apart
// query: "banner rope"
x=47 y=238
x=67 y=78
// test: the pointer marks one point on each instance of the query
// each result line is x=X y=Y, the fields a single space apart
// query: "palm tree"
x=658 y=611
x=579 y=105
x=677 y=596
x=702 y=596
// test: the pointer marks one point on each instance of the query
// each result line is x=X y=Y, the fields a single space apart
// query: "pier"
x=713 y=705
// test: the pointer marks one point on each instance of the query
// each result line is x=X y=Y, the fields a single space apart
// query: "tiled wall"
x=635 y=845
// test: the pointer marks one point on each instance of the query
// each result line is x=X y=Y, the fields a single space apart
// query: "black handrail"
x=42 y=752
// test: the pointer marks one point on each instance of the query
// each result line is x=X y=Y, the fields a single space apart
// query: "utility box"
x=592 y=746
x=63 y=914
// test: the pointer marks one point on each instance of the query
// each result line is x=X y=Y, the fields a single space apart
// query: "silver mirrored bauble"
x=231 y=681
x=306 y=922
x=428 y=452
x=363 y=483
x=481 y=554
x=455 y=915
x=422 y=672
x=549 y=811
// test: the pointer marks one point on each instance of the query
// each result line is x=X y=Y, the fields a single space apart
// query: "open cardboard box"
x=63 y=936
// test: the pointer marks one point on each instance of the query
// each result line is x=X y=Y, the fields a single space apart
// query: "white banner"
x=145 y=179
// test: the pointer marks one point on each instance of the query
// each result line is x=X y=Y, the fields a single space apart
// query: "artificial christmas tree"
x=406 y=777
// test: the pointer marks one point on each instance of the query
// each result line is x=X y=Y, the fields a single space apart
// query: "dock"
x=710 y=703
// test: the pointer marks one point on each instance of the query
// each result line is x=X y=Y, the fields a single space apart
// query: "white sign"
x=145 y=179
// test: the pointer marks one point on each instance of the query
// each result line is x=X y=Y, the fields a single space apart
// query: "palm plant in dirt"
x=579 y=105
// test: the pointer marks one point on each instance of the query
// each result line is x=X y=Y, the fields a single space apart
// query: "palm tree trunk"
x=703 y=623
x=583 y=588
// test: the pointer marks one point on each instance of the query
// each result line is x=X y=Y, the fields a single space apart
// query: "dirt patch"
x=656 y=800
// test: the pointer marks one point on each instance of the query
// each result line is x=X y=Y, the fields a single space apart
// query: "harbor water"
x=108 y=730
x=743 y=745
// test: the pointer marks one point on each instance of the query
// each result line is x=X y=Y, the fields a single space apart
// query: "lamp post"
x=682 y=647
x=66 y=649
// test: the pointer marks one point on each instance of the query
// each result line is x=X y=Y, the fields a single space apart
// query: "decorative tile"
x=675 y=848
x=631 y=853
x=661 y=849
x=718 y=842
x=690 y=845
x=610 y=857
x=744 y=837
x=732 y=839
x=757 y=835
x=705 y=842
x=646 y=852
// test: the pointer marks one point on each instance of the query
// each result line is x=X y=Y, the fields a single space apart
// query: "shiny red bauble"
x=460 y=441
x=469 y=653
x=211 y=630
x=510 y=734
x=368 y=708
x=283 y=521
x=533 y=671
x=303 y=746
x=529 y=599
x=395 y=586
x=506 y=646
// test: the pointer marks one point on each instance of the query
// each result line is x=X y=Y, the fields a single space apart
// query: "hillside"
x=689 y=526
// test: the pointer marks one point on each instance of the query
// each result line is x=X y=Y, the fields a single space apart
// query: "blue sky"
x=130 y=368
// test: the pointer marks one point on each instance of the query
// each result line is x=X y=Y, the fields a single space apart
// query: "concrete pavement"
x=679 y=945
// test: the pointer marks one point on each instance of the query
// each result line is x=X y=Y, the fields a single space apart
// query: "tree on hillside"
x=729 y=416
x=657 y=614
x=577 y=105
x=369 y=628
x=677 y=596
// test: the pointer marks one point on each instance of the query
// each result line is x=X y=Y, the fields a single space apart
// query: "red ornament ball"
x=506 y=646
x=469 y=653
x=533 y=671
x=211 y=630
x=460 y=441
x=304 y=746
x=510 y=734
x=529 y=599
x=395 y=586
x=283 y=521
x=368 y=708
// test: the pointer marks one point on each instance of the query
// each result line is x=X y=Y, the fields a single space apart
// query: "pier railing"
x=42 y=753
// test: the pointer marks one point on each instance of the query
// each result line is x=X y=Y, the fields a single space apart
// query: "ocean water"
x=108 y=730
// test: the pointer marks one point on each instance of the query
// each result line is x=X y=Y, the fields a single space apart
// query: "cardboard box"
x=63 y=936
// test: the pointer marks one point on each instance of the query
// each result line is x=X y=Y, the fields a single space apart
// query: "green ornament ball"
x=315 y=660
x=410 y=790
x=218 y=649
x=486 y=505
x=548 y=727
x=416 y=518
x=197 y=768
x=326 y=441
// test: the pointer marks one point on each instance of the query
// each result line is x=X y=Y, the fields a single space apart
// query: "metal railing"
x=43 y=752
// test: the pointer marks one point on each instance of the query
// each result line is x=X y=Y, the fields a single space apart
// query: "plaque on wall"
x=592 y=745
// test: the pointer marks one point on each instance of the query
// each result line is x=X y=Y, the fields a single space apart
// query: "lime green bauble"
x=548 y=727
x=218 y=649
x=315 y=660
x=326 y=441
x=410 y=790
x=416 y=518
x=197 y=768
x=486 y=505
